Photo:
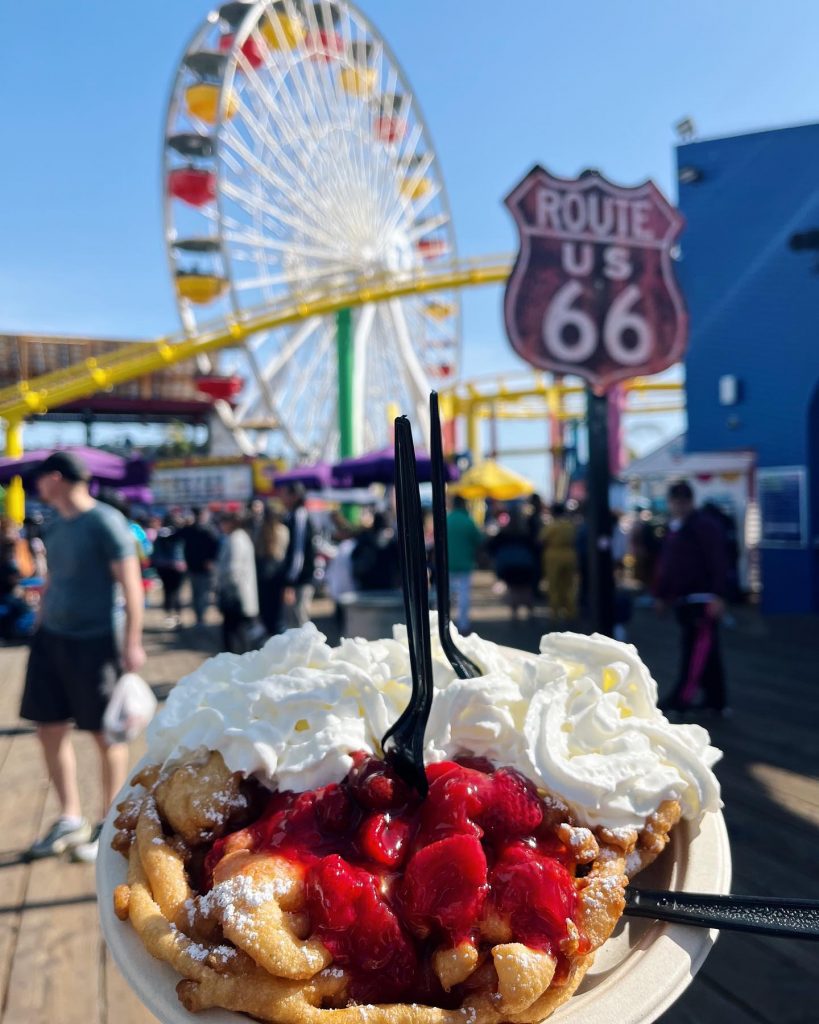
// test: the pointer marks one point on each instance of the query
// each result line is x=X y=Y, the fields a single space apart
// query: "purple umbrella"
x=102 y=465
x=314 y=478
x=379 y=468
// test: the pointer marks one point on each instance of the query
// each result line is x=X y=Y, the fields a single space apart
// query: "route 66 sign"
x=593 y=291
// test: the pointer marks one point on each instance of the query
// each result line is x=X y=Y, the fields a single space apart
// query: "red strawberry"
x=373 y=785
x=335 y=811
x=352 y=919
x=454 y=801
x=332 y=890
x=383 y=839
x=444 y=888
x=534 y=893
x=511 y=806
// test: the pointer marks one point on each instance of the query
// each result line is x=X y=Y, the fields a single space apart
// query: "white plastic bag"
x=130 y=709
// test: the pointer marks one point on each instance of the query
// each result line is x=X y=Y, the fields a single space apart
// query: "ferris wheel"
x=297 y=158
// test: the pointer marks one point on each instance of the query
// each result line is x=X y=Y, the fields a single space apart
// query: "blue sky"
x=502 y=85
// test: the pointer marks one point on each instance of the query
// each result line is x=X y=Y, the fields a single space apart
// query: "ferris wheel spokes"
x=234 y=140
x=281 y=362
x=361 y=341
x=252 y=203
x=427 y=226
x=313 y=380
x=416 y=379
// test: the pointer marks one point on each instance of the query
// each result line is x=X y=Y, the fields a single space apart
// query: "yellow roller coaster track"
x=38 y=395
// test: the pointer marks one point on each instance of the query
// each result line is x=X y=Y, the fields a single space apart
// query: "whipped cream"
x=579 y=718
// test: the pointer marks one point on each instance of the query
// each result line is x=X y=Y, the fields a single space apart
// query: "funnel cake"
x=356 y=902
x=282 y=870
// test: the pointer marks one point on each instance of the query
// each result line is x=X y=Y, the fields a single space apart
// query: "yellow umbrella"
x=491 y=480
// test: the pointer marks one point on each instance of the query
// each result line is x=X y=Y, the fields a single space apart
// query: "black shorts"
x=70 y=678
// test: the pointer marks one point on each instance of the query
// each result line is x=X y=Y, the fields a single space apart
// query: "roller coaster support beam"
x=15 y=495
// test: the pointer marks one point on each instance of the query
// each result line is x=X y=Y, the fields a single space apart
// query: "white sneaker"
x=86 y=853
x=60 y=837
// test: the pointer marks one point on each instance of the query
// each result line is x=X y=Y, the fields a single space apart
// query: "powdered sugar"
x=201 y=953
x=235 y=900
x=579 y=838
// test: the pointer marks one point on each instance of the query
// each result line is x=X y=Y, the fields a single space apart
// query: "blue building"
x=750 y=274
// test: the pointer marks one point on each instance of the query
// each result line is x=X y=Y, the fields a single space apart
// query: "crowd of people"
x=260 y=567
x=257 y=566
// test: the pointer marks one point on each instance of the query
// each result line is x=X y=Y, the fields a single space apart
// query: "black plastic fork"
x=464 y=667
x=786 y=918
x=403 y=743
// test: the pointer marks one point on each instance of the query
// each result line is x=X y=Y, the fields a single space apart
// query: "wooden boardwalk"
x=54 y=968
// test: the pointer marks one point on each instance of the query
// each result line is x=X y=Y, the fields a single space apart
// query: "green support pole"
x=344 y=348
x=344 y=345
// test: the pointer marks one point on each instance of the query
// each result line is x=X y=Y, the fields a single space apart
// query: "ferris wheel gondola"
x=297 y=159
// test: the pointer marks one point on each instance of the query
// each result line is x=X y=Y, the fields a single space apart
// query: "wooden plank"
x=703 y=1003
x=793 y=821
x=778 y=990
x=796 y=793
x=56 y=970
x=24 y=790
x=755 y=828
x=120 y=1005
x=12 y=668
x=13 y=661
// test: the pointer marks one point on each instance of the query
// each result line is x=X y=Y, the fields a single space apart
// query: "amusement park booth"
x=749 y=269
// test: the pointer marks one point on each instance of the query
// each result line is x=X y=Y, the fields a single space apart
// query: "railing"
x=26 y=356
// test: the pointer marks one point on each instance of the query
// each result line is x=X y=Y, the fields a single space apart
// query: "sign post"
x=598 y=515
x=593 y=294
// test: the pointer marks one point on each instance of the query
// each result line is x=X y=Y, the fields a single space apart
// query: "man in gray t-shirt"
x=79 y=600
x=75 y=660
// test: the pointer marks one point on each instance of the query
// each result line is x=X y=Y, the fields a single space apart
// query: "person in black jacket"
x=168 y=559
x=299 y=562
x=692 y=578
x=201 y=547
x=374 y=558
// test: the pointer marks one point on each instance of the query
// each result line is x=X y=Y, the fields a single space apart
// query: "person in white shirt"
x=236 y=582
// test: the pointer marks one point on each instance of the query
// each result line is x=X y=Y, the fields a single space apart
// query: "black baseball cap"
x=67 y=464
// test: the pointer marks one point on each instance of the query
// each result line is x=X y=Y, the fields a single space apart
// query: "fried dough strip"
x=164 y=867
x=253 y=896
x=196 y=799
x=654 y=837
x=524 y=974
x=455 y=965
x=147 y=776
x=300 y=1004
x=161 y=938
x=279 y=974
x=164 y=940
x=554 y=996
x=601 y=901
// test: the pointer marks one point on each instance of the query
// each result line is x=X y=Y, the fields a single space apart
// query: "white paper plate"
x=637 y=974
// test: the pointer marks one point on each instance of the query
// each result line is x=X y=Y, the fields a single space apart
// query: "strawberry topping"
x=389 y=878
